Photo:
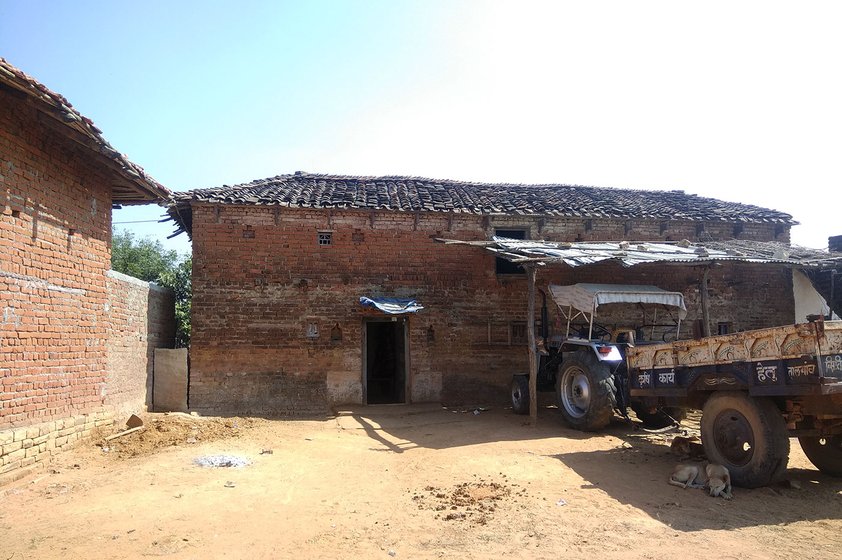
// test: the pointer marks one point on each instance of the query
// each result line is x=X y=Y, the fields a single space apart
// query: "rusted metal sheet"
x=633 y=253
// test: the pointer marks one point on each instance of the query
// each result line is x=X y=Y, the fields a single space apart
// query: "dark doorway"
x=385 y=357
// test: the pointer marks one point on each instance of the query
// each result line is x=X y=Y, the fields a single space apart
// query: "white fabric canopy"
x=587 y=297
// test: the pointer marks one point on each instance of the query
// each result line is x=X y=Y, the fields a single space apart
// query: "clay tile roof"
x=134 y=186
x=416 y=194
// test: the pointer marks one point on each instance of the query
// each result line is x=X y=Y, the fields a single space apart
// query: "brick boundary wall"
x=23 y=450
x=140 y=317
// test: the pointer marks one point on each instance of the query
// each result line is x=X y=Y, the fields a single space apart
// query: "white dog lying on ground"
x=714 y=477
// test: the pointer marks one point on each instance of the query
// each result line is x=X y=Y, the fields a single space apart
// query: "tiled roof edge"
x=134 y=173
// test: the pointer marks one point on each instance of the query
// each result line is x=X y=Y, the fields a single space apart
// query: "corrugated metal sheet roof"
x=634 y=253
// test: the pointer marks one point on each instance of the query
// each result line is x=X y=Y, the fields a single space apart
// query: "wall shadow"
x=398 y=428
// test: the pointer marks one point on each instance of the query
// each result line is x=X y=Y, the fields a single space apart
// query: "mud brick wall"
x=141 y=317
x=260 y=278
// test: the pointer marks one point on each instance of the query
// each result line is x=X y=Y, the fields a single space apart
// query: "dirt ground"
x=416 y=481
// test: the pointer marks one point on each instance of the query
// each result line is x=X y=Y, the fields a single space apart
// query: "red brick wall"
x=260 y=278
x=54 y=242
x=141 y=317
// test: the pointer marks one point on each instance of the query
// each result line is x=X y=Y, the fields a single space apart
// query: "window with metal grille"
x=325 y=237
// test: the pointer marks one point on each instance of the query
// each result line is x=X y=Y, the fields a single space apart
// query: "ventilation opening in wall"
x=325 y=238
x=16 y=213
x=503 y=266
x=336 y=333
x=517 y=333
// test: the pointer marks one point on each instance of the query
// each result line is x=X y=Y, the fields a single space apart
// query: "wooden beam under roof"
x=56 y=113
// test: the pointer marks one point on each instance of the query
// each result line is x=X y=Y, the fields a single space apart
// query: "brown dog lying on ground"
x=714 y=477
x=687 y=447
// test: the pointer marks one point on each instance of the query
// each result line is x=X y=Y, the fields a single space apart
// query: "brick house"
x=58 y=181
x=280 y=265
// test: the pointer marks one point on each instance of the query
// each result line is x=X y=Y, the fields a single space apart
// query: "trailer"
x=756 y=389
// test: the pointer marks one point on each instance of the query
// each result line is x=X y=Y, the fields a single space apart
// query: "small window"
x=507 y=267
x=724 y=328
x=325 y=237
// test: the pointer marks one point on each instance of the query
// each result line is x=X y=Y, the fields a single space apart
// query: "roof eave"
x=132 y=184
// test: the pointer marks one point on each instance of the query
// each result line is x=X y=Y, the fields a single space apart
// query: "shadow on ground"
x=637 y=475
x=397 y=428
x=633 y=473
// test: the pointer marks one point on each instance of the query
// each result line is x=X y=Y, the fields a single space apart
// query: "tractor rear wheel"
x=585 y=391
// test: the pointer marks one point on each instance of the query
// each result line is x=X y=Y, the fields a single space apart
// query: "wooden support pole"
x=705 y=302
x=533 y=357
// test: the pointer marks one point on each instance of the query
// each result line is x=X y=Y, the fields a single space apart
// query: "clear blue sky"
x=738 y=101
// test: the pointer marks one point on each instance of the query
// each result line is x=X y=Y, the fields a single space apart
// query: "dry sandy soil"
x=403 y=482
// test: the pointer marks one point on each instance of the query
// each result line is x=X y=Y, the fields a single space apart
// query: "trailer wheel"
x=746 y=435
x=585 y=391
x=661 y=418
x=824 y=452
x=520 y=394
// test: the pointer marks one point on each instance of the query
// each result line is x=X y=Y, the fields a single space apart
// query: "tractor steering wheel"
x=599 y=332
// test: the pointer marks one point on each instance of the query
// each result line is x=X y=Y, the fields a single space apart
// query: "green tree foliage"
x=177 y=279
x=147 y=260
x=143 y=258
